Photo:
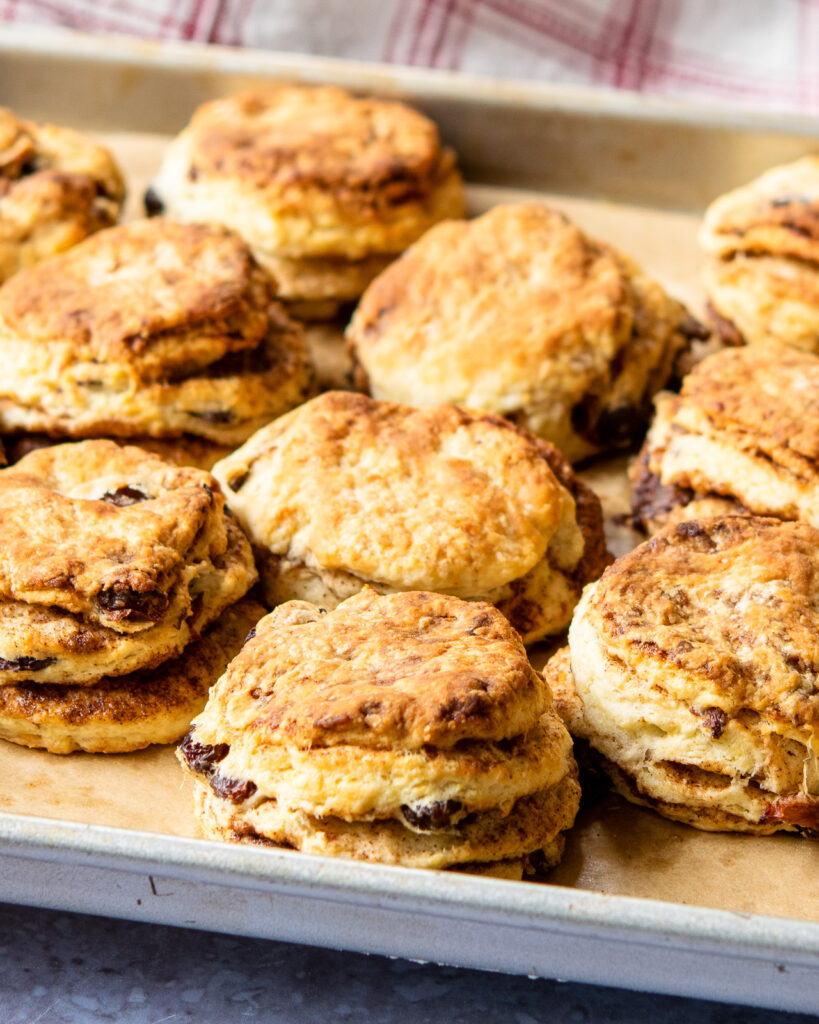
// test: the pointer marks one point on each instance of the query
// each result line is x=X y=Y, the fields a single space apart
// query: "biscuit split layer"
x=125 y=713
x=407 y=729
x=742 y=436
x=56 y=188
x=151 y=329
x=762 y=276
x=519 y=313
x=112 y=561
x=692 y=672
x=324 y=186
x=346 y=491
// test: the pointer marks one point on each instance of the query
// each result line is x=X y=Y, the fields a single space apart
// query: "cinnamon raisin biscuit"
x=408 y=728
x=112 y=560
x=325 y=187
x=519 y=313
x=129 y=712
x=742 y=436
x=762 y=239
x=56 y=188
x=149 y=329
x=693 y=666
x=346 y=491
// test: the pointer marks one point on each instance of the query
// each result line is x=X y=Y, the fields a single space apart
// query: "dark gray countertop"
x=85 y=970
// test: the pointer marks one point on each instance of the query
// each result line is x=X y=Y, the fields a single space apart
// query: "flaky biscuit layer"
x=692 y=670
x=535 y=823
x=129 y=712
x=745 y=428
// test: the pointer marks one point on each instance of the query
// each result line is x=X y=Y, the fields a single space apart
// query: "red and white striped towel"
x=759 y=53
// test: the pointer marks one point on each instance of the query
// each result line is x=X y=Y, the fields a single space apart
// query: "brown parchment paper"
x=614 y=848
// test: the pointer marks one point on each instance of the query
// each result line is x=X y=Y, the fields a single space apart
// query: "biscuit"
x=325 y=187
x=112 y=560
x=692 y=673
x=518 y=313
x=347 y=491
x=129 y=712
x=763 y=245
x=407 y=728
x=56 y=188
x=742 y=436
x=149 y=329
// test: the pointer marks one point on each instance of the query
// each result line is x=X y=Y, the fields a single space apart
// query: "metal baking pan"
x=638 y=902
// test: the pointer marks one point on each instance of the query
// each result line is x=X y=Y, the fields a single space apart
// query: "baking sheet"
x=615 y=848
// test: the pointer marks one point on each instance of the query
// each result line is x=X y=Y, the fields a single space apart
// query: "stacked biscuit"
x=741 y=437
x=56 y=188
x=408 y=729
x=691 y=671
x=326 y=188
x=114 y=564
x=346 y=491
x=762 y=243
x=163 y=334
x=519 y=313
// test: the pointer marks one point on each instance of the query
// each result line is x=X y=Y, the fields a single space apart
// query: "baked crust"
x=518 y=313
x=439 y=499
x=401 y=670
x=304 y=172
x=125 y=713
x=149 y=329
x=745 y=427
x=56 y=188
x=112 y=559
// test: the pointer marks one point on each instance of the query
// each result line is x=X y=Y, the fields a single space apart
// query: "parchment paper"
x=615 y=848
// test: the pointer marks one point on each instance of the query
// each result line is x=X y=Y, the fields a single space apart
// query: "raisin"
x=202 y=757
x=126 y=495
x=234 y=790
x=25 y=664
x=429 y=817
x=132 y=605
x=153 y=204
x=714 y=720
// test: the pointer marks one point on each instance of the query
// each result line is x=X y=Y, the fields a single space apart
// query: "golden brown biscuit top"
x=720 y=613
x=483 y=306
x=769 y=393
x=402 y=670
x=130 y=294
x=104 y=531
x=776 y=214
x=293 y=136
x=30 y=151
x=435 y=498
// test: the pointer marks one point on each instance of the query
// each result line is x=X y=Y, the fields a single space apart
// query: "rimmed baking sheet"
x=638 y=901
